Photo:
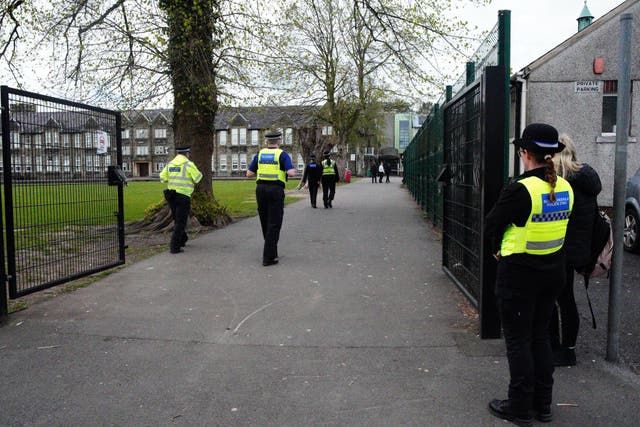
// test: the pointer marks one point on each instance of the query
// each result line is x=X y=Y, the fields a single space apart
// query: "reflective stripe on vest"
x=327 y=168
x=178 y=179
x=269 y=165
x=546 y=226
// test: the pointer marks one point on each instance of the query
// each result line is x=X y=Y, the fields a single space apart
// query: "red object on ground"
x=347 y=176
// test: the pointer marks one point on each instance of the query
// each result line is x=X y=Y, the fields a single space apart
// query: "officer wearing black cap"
x=271 y=167
x=525 y=232
x=329 y=178
x=181 y=176
x=312 y=176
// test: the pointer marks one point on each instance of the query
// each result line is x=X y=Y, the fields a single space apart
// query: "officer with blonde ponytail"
x=525 y=231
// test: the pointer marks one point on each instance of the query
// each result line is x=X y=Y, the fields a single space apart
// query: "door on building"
x=143 y=169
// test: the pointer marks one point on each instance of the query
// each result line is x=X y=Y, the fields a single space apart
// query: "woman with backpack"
x=577 y=246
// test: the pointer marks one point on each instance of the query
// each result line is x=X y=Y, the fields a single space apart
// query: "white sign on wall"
x=353 y=157
x=587 y=86
x=102 y=142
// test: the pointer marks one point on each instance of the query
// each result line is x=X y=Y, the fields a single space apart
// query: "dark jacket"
x=586 y=187
x=312 y=173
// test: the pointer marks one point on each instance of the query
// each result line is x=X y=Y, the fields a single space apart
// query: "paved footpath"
x=357 y=326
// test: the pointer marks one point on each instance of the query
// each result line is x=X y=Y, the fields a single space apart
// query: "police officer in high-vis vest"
x=271 y=167
x=525 y=232
x=329 y=178
x=181 y=176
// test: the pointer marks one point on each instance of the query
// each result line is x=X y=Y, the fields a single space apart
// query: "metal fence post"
x=620 y=179
x=504 y=60
x=5 y=127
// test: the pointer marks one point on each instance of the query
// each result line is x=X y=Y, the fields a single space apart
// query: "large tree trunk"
x=193 y=36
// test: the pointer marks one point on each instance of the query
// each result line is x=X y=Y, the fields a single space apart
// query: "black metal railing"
x=62 y=220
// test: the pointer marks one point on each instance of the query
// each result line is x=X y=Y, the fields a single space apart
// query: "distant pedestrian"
x=525 y=231
x=311 y=177
x=380 y=172
x=329 y=179
x=181 y=176
x=387 y=171
x=373 y=170
x=577 y=244
x=271 y=167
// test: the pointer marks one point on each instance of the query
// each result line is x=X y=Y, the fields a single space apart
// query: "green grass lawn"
x=237 y=195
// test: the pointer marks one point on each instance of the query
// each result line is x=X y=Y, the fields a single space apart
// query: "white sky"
x=537 y=26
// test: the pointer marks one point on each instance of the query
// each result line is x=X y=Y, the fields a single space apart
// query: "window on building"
x=66 y=164
x=49 y=164
x=78 y=165
x=243 y=161
x=77 y=138
x=609 y=106
x=222 y=137
x=254 y=137
x=370 y=150
x=142 y=133
x=37 y=140
x=327 y=130
x=142 y=150
x=160 y=149
x=27 y=164
x=242 y=136
x=213 y=163
x=126 y=150
x=15 y=140
x=160 y=133
x=300 y=162
x=288 y=136
x=51 y=138
x=125 y=166
x=159 y=166
x=38 y=163
x=234 y=136
x=223 y=163
x=66 y=140
x=89 y=139
x=125 y=134
x=234 y=162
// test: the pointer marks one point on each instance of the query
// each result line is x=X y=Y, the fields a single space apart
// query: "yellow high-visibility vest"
x=327 y=168
x=546 y=226
x=269 y=165
x=181 y=175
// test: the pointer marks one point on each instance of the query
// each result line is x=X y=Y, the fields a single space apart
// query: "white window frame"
x=142 y=133
x=254 y=137
x=300 y=165
x=15 y=140
x=288 y=136
x=160 y=149
x=160 y=133
x=124 y=134
x=234 y=162
x=66 y=140
x=159 y=166
x=142 y=150
x=234 y=136
x=243 y=161
x=327 y=130
x=222 y=137
x=78 y=165
x=242 y=136
x=223 y=163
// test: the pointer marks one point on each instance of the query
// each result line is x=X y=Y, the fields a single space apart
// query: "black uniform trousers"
x=313 y=192
x=526 y=297
x=180 y=208
x=270 y=198
x=328 y=188
x=570 y=316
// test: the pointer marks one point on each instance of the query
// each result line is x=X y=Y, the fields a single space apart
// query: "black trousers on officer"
x=313 y=192
x=526 y=297
x=270 y=198
x=180 y=206
x=328 y=189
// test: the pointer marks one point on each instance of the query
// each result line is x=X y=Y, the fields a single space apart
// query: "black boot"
x=543 y=413
x=503 y=410
x=564 y=356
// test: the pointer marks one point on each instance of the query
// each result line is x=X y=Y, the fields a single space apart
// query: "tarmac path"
x=356 y=326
